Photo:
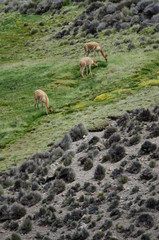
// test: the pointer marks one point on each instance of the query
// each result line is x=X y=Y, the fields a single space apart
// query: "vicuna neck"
x=102 y=53
x=47 y=104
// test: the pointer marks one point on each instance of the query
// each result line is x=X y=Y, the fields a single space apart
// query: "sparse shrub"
x=58 y=186
x=1 y=190
x=56 y=153
x=82 y=147
x=99 y=173
x=67 y=174
x=26 y=226
x=99 y=235
x=134 y=168
x=35 y=186
x=49 y=198
x=134 y=190
x=145 y=220
x=101 y=196
x=89 y=187
x=11 y=225
x=93 y=140
x=106 y=158
x=147 y=147
x=123 y=179
x=33 y=31
x=88 y=164
x=134 y=140
x=83 y=234
x=78 y=132
x=119 y=227
x=152 y=164
x=115 y=137
x=146 y=174
x=117 y=153
x=67 y=158
x=106 y=225
x=30 y=199
x=109 y=131
x=15 y=236
x=65 y=143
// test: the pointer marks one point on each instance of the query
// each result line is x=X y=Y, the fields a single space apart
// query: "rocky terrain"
x=90 y=185
x=97 y=15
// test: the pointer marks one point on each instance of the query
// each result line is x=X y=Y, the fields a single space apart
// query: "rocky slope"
x=90 y=185
x=97 y=16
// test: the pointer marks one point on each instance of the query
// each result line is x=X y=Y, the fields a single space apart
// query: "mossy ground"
x=38 y=61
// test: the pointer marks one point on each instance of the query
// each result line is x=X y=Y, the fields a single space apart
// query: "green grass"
x=129 y=79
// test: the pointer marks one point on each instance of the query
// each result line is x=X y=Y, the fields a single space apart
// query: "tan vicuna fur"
x=41 y=96
x=86 y=62
x=94 y=47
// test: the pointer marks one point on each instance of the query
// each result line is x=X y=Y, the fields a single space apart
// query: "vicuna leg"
x=87 y=70
x=98 y=55
x=42 y=106
x=90 y=68
x=46 y=109
x=81 y=70
x=35 y=103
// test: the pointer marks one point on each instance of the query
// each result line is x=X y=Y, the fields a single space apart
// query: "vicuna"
x=41 y=96
x=86 y=62
x=94 y=47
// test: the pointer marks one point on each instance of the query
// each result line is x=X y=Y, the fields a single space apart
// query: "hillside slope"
x=89 y=185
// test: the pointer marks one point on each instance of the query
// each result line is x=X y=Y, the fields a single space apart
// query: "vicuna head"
x=95 y=64
x=106 y=58
x=50 y=109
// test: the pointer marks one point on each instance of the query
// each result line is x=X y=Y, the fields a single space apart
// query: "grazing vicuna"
x=41 y=96
x=86 y=62
x=94 y=47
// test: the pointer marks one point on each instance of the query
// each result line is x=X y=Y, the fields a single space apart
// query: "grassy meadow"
x=30 y=59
